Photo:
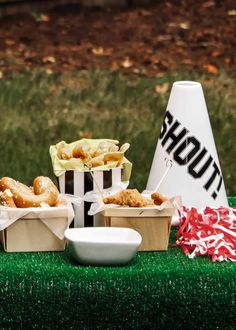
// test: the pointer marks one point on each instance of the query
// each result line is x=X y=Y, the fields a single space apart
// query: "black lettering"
x=196 y=161
x=175 y=138
x=213 y=176
x=215 y=193
x=168 y=118
x=183 y=156
x=191 y=153
x=220 y=184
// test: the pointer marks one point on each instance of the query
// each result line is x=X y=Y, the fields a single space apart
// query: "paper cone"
x=186 y=140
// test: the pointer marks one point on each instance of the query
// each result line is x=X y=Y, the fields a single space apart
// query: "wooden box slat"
x=152 y=224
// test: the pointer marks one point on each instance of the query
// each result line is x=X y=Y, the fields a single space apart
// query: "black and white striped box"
x=78 y=183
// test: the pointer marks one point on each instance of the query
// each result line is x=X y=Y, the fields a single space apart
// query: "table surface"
x=157 y=290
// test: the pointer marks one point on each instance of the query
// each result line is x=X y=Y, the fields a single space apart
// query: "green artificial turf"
x=157 y=290
x=232 y=201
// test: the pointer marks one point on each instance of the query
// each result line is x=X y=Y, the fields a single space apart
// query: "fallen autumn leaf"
x=162 y=89
x=210 y=68
x=49 y=59
x=127 y=63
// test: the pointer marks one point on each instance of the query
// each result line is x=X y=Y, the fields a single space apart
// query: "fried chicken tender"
x=128 y=197
x=105 y=147
x=157 y=198
x=64 y=153
x=82 y=152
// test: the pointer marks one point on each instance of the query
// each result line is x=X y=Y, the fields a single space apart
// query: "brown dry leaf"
x=98 y=51
x=127 y=63
x=133 y=15
x=162 y=89
x=9 y=52
x=136 y=70
x=19 y=61
x=71 y=61
x=9 y=42
x=73 y=48
x=187 y=61
x=163 y=37
x=21 y=47
x=40 y=17
x=216 y=53
x=159 y=74
x=210 y=68
x=108 y=51
x=49 y=59
x=114 y=66
x=85 y=134
x=154 y=59
x=44 y=18
x=145 y=13
x=180 y=43
x=231 y=12
x=208 y=4
x=49 y=71
x=184 y=25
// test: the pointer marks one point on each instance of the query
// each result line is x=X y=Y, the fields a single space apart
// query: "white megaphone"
x=185 y=162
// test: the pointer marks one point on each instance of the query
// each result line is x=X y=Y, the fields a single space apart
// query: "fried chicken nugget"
x=128 y=197
x=157 y=198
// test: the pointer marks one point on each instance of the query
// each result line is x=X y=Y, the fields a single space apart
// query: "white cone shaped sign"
x=186 y=140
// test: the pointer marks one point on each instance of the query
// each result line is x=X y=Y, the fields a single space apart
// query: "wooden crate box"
x=152 y=224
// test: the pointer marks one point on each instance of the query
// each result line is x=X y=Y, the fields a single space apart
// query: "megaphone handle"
x=169 y=165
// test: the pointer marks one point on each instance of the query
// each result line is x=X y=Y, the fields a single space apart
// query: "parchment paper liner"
x=9 y=215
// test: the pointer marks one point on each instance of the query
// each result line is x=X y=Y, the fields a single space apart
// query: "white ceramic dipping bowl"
x=103 y=245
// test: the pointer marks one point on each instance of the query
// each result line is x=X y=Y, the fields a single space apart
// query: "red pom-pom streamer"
x=211 y=232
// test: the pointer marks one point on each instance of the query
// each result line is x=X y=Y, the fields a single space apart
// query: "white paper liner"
x=9 y=215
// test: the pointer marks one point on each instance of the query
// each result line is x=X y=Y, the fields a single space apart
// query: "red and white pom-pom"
x=211 y=232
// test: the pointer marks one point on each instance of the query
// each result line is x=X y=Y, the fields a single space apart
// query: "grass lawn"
x=39 y=109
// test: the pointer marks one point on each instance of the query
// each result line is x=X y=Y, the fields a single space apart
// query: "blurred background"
x=104 y=69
